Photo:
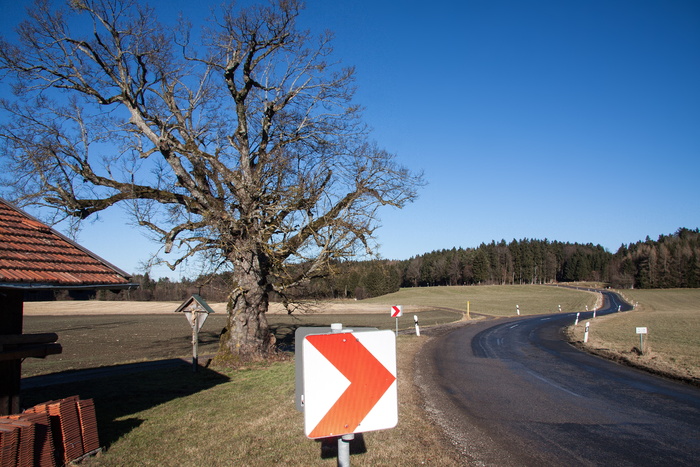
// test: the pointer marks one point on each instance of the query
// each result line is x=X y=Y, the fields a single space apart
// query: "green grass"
x=672 y=319
x=497 y=300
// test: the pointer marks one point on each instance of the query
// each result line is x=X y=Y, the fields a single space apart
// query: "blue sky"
x=576 y=121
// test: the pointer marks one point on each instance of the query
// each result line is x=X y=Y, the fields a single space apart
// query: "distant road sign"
x=349 y=383
x=396 y=311
x=642 y=330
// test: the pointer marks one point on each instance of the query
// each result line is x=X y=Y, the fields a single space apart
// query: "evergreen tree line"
x=669 y=262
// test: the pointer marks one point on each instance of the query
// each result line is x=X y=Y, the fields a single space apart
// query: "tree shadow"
x=121 y=392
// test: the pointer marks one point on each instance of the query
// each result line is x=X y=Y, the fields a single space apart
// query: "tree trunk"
x=247 y=336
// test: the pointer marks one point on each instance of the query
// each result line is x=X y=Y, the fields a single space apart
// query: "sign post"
x=641 y=331
x=396 y=312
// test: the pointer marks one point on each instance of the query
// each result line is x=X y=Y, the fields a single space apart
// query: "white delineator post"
x=585 y=334
x=415 y=319
x=517 y=310
x=576 y=322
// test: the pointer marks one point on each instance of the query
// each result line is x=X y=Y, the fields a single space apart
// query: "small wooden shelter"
x=34 y=257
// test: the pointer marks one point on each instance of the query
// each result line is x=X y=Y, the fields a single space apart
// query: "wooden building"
x=34 y=257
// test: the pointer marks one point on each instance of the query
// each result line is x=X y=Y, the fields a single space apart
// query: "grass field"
x=672 y=319
x=247 y=417
x=497 y=300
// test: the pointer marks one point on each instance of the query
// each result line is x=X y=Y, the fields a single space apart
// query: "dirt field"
x=96 y=334
x=94 y=307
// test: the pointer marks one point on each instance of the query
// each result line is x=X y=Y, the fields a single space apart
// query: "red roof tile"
x=33 y=254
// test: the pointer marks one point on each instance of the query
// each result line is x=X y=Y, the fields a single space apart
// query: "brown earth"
x=95 y=307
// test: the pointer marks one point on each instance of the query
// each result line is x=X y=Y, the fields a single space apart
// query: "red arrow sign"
x=396 y=311
x=369 y=380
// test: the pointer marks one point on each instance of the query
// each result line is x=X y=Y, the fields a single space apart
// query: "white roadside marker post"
x=576 y=323
x=415 y=318
x=517 y=309
x=641 y=331
x=585 y=334
x=559 y=308
x=594 y=313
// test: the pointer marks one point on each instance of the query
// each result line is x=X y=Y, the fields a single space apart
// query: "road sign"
x=349 y=383
x=396 y=311
x=642 y=330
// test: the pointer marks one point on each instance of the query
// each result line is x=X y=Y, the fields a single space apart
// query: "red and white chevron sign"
x=396 y=311
x=349 y=383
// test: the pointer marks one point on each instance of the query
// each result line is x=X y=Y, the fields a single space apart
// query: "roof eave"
x=49 y=286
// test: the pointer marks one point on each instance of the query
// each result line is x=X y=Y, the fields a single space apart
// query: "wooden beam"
x=24 y=339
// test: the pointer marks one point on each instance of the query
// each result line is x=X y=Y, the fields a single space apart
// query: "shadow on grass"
x=121 y=392
x=329 y=446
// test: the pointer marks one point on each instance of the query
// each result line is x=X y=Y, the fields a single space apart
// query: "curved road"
x=513 y=392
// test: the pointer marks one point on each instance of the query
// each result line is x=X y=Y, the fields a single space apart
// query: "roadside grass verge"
x=672 y=345
x=494 y=300
x=245 y=417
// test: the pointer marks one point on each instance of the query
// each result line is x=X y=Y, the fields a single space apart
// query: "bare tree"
x=240 y=141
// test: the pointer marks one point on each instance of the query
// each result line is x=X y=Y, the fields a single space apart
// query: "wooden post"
x=11 y=308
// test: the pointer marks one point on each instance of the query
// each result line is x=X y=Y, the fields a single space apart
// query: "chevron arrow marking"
x=368 y=378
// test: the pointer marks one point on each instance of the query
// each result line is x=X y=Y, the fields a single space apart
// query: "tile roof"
x=34 y=255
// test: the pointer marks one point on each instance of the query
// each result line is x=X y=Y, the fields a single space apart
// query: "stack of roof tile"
x=43 y=437
x=9 y=443
x=68 y=437
x=55 y=432
x=25 y=445
x=88 y=425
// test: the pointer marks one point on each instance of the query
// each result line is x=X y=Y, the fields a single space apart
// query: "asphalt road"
x=513 y=392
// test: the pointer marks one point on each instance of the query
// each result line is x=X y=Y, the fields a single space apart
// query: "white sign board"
x=349 y=383
x=642 y=330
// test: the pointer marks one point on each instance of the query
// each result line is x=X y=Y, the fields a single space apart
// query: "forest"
x=670 y=261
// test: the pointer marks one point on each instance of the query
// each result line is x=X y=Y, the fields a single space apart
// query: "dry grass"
x=672 y=345
x=245 y=417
